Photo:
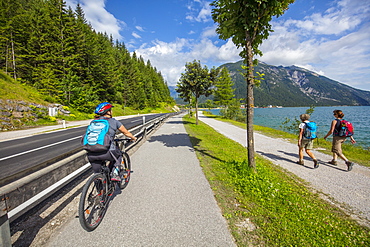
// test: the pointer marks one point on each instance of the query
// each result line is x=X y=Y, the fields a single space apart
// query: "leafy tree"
x=224 y=91
x=196 y=81
x=247 y=24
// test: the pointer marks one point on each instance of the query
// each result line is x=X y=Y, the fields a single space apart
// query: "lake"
x=358 y=115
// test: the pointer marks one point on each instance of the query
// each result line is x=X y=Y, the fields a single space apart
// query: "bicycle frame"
x=99 y=189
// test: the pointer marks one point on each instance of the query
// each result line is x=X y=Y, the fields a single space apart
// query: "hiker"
x=305 y=140
x=338 y=139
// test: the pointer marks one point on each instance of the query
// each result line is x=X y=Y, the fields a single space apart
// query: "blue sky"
x=330 y=37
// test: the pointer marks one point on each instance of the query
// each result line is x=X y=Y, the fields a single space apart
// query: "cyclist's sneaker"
x=116 y=178
x=349 y=165
x=101 y=197
x=333 y=162
x=315 y=164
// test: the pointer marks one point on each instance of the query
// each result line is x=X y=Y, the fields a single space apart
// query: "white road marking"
x=32 y=150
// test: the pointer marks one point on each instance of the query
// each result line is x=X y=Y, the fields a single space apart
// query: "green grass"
x=281 y=206
x=117 y=111
x=354 y=153
x=13 y=90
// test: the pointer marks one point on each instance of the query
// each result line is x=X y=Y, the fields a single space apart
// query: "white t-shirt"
x=303 y=126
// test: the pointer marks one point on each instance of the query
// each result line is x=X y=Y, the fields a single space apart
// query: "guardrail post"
x=5 y=238
x=145 y=133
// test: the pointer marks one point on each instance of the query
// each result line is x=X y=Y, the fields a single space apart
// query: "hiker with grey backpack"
x=341 y=129
x=307 y=133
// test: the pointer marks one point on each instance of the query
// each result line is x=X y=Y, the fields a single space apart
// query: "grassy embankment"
x=269 y=206
x=13 y=90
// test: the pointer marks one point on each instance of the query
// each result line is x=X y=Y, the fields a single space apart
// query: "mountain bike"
x=99 y=189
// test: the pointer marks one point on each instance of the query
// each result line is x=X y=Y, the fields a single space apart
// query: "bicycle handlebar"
x=122 y=139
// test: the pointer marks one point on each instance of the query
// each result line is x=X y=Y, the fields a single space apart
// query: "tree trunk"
x=250 y=104
x=13 y=57
x=196 y=110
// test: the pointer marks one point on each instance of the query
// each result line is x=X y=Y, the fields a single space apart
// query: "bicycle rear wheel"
x=125 y=170
x=92 y=205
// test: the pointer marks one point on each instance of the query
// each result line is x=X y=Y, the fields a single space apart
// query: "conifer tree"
x=224 y=91
x=53 y=48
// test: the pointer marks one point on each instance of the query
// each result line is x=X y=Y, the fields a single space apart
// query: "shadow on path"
x=321 y=163
x=275 y=157
x=31 y=225
x=172 y=140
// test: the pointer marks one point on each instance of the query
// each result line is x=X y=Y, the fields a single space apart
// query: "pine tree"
x=47 y=45
x=224 y=88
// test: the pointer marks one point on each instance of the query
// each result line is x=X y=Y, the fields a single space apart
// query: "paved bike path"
x=168 y=201
x=350 y=189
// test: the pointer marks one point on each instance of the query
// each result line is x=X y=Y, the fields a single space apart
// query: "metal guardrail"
x=22 y=195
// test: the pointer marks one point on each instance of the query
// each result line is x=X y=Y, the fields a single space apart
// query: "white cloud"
x=202 y=15
x=137 y=36
x=336 y=42
x=209 y=32
x=228 y=52
x=344 y=16
x=141 y=29
x=100 y=19
x=166 y=57
x=170 y=58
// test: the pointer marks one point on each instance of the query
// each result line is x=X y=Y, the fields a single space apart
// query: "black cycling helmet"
x=103 y=108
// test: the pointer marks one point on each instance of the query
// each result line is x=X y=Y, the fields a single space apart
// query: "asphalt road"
x=24 y=155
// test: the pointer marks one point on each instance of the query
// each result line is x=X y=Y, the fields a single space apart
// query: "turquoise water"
x=358 y=115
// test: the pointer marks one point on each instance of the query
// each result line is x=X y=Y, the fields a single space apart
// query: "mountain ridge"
x=295 y=86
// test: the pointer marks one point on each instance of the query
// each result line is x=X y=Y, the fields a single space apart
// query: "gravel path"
x=351 y=189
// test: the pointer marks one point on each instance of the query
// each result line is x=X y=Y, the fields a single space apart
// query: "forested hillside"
x=52 y=48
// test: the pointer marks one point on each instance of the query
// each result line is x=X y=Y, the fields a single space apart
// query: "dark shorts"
x=97 y=159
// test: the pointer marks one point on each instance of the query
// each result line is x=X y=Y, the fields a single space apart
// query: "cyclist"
x=114 y=155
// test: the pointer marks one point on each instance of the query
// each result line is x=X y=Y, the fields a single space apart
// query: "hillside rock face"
x=16 y=114
x=294 y=86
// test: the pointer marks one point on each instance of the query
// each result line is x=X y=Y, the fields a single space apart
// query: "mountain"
x=295 y=86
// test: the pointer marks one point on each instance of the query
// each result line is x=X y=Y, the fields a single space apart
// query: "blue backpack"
x=96 y=138
x=310 y=130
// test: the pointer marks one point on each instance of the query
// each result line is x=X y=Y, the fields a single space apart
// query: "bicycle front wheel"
x=92 y=206
x=125 y=170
